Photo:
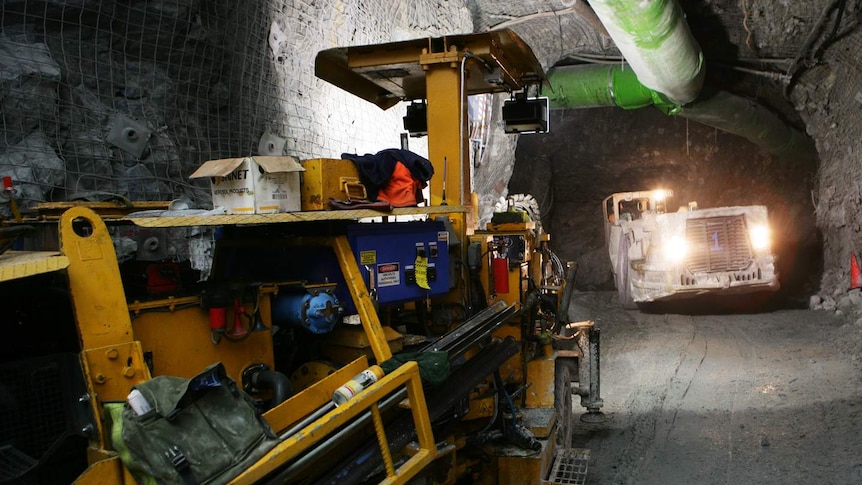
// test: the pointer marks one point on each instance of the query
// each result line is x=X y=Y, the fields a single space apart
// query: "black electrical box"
x=522 y=115
x=416 y=120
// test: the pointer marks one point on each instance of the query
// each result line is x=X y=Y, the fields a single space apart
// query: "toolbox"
x=329 y=178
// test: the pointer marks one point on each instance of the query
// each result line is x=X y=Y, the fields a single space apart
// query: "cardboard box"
x=326 y=178
x=254 y=185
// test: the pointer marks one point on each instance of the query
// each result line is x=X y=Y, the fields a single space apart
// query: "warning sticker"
x=367 y=257
x=388 y=274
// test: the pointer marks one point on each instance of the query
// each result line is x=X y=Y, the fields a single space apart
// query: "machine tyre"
x=564 y=369
x=624 y=279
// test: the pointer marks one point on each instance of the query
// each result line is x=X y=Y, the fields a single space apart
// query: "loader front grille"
x=717 y=244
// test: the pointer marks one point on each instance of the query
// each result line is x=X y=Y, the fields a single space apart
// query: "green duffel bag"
x=201 y=431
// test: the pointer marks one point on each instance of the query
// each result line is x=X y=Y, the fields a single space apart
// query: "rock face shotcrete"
x=127 y=99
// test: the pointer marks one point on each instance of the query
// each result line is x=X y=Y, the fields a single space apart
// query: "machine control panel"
x=402 y=261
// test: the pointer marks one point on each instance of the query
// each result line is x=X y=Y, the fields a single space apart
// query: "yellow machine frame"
x=116 y=334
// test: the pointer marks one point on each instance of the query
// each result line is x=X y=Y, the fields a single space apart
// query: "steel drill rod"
x=305 y=422
x=401 y=430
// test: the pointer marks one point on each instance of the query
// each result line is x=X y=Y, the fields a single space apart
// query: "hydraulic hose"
x=274 y=381
x=563 y=315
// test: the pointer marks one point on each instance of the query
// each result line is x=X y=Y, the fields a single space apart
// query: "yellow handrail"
x=405 y=376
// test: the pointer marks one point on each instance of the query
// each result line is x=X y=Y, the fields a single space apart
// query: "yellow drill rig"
x=375 y=352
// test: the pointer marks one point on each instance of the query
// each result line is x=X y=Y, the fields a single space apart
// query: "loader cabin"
x=630 y=206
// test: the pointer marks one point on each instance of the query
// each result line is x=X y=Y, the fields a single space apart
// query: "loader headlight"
x=759 y=237
x=674 y=249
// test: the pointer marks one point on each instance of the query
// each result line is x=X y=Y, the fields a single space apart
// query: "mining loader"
x=658 y=255
x=316 y=346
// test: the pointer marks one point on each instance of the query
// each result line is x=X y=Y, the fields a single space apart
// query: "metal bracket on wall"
x=129 y=135
x=152 y=246
x=271 y=144
x=277 y=38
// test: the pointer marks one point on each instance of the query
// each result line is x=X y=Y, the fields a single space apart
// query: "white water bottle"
x=138 y=403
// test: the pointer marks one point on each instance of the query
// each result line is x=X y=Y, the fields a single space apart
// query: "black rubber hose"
x=563 y=316
x=478 y=300
x=276 y=382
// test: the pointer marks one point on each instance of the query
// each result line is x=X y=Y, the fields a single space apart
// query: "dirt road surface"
x=764 y=398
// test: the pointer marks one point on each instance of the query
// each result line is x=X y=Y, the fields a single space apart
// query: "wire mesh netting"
x=123 y=100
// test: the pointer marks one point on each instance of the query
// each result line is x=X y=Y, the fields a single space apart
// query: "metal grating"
x=569 y=468
x=14 y=463
x=717 y=244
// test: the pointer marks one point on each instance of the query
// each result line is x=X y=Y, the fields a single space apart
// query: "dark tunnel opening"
x=592 y=153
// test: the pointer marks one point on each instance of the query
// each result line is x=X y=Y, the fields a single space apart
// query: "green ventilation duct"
x=665 y=69
x=655 y=40
x=744 y=117
x=597 y=85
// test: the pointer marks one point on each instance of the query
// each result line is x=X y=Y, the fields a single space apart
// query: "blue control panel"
x=402 y=261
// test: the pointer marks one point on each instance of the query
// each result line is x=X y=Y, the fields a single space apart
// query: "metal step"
x=569 y=467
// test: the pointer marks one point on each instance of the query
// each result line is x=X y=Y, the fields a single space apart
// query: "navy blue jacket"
x=376 y=170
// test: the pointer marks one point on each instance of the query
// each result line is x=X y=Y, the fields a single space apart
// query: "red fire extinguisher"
x=501 y=275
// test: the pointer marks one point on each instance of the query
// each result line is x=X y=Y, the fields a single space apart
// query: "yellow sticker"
x=422 y=272
x=368 y=257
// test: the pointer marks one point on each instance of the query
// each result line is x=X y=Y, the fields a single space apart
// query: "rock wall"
x=125 y=99
x=829 y=97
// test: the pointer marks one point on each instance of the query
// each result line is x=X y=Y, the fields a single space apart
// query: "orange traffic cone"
x=855 y=275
